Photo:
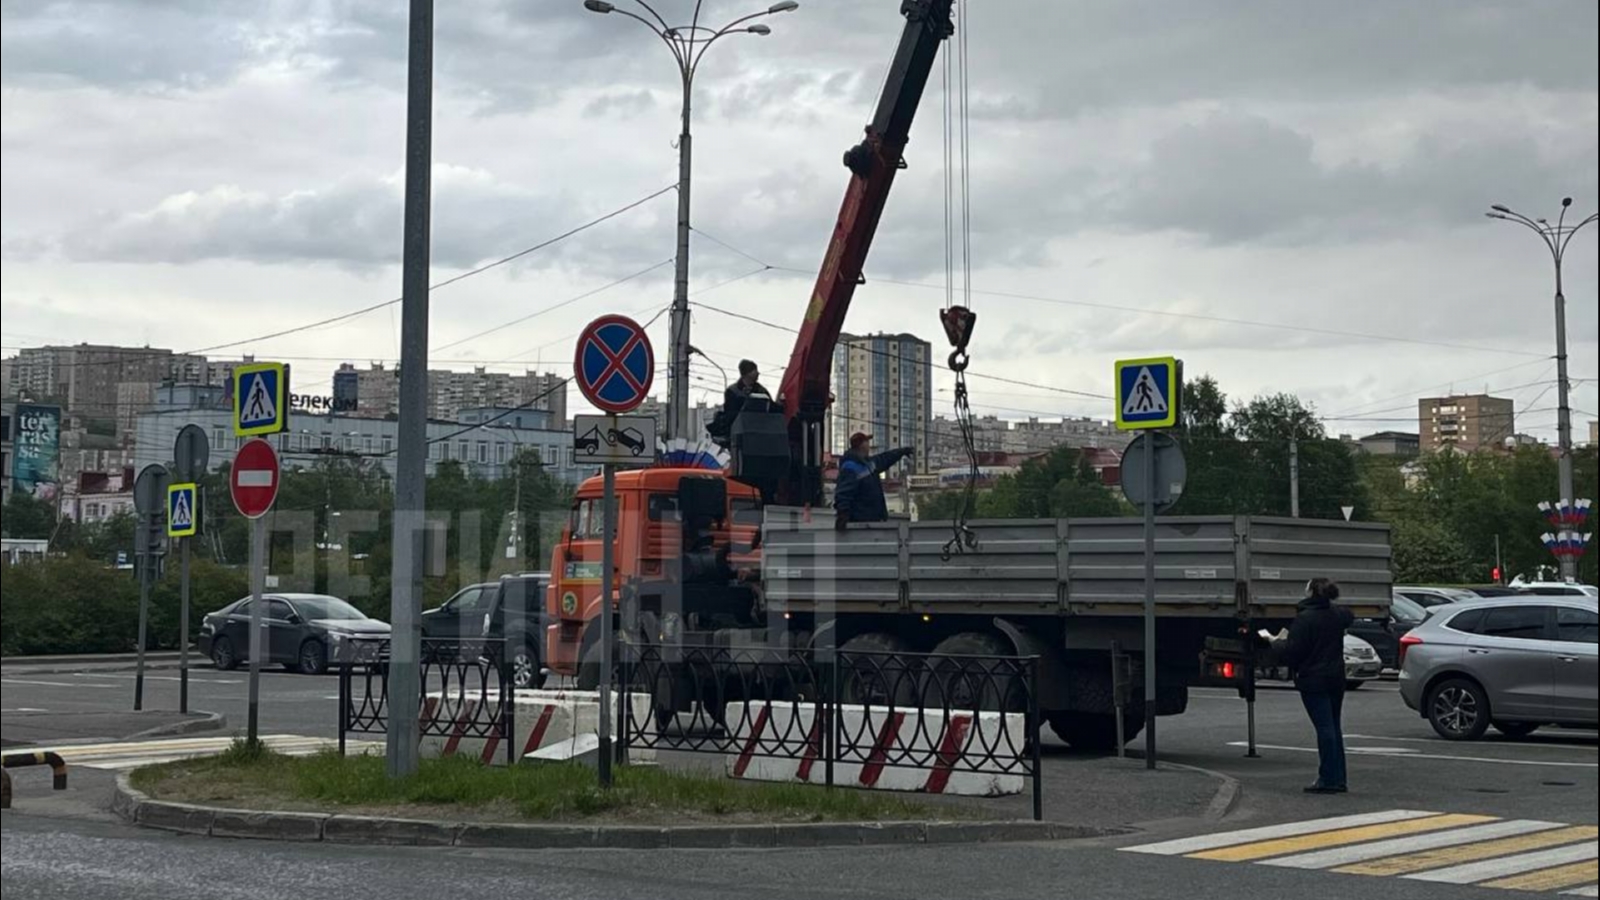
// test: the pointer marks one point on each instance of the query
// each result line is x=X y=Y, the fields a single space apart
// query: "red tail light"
x=1407 y=641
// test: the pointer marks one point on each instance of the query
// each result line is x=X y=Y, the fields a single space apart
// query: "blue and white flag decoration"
x=682 y=453
x=1566 y=514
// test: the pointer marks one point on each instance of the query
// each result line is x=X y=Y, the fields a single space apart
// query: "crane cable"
x=958 y=319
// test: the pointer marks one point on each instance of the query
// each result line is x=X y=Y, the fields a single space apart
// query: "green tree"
x=26 y=516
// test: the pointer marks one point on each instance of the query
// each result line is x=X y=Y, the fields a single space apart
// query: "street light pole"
x=1556 y=238
x=688 y=44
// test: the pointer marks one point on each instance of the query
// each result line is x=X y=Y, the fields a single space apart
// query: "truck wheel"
x=973 y=684
x=1094 y=732
x=872 y=675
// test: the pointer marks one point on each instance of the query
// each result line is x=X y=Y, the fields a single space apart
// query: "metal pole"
x=1294 y=477
x=183 y=630
x=402 y=741
x=1499 y=564
x=146 y=564
x=608 y=506
x=1149 y=600
x=678 y=401
x=258 y=584
x=1569 y=563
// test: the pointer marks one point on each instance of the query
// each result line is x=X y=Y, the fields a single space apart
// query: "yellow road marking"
x=1264 y=849
x=1446 y=856
x=1550 y=879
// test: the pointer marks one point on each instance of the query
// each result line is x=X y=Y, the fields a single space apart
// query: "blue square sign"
x=1148 y=392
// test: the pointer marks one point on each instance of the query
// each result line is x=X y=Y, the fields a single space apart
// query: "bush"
x=74 y=604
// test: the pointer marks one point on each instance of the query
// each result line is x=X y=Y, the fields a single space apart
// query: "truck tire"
x=1094 y=732
x=973 y=684
x=873 y=678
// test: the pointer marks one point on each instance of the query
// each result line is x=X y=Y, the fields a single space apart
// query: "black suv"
x=511 y=608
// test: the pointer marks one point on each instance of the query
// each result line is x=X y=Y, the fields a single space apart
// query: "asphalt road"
x=56 y=847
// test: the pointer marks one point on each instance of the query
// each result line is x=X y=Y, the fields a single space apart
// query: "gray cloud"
x=356 y=222
x=1238 y=177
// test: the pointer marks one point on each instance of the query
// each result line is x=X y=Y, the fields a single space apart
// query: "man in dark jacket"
x=1314 y=651
x=733 y=400
x=858 y=496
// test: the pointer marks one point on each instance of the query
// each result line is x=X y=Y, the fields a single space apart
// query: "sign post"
x=253 y=484
x=191 y=457
x=614 y=367
x=1148 y=391
x=149 y=500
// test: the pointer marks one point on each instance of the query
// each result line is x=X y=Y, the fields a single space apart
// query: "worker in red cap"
x=858 y=496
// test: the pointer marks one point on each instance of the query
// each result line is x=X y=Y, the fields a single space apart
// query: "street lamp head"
x=1501 y=208
x=1566 y=201
x=598 y=6
x=759 y=29
x=785 y=6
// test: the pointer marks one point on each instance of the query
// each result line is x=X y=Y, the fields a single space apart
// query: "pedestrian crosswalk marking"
x=1442 y=848
x=1264 y=849
x=1414 y=844
x=1468 y=852
x=134 y=754
x=1551 y=879
x=1494 y=869
x=1210 y=841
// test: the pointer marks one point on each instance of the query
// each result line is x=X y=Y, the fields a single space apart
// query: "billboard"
x=36 y=457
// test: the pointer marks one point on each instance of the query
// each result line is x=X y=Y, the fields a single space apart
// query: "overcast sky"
x=187 y=173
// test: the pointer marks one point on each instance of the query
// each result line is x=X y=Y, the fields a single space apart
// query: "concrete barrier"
x=549 y=723
x=972 y=754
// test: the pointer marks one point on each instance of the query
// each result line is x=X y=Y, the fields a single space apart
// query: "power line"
x=549 y=309
x=1202 y=317
x=124 y=358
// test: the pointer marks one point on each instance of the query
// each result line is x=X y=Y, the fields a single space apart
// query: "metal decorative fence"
x=866 y=713
x=467 y=691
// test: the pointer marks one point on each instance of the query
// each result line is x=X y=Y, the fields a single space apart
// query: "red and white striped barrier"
x=972 y=754
x=550 y=721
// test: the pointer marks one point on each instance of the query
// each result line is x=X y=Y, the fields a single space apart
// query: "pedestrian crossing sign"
x=182 y=516
x=1148 y=391
x=260 y=399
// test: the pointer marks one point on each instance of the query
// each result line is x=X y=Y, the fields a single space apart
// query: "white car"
x=1361 y=662
x=1361 y=665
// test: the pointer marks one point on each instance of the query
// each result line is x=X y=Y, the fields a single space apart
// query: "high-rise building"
x=1466 y=422
x=883 y=385
x=376 y=391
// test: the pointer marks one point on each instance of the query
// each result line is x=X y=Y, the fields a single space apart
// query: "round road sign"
x=254 y=479
x=615 y=364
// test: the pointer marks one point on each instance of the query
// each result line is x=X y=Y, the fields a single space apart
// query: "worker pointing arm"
x=858 y=496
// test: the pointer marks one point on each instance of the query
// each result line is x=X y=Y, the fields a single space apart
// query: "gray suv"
x=1515 y=664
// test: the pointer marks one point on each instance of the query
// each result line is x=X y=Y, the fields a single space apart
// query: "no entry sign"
x=614 y=364
x=254 y=479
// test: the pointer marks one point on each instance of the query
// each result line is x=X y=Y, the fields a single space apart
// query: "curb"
x=136 y=808
x=210 y=722
x=1225 y=800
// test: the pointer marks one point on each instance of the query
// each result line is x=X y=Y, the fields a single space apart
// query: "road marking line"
x=1550 y=879
x=1579 y=734
x=192 y=679
x=70 y=684
x=1341 y=856
x=1592 y=890
x=1419 y=862
x=1357 y=751
x=1288 y=829
x=1282 y=846
x=1491 y=869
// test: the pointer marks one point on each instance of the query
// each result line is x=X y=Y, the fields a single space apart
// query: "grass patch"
x=462 y=788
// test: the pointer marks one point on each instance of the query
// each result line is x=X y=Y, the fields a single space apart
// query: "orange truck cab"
x=655 y=543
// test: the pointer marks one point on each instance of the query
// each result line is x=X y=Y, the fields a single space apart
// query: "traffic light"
x=1497 y=575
